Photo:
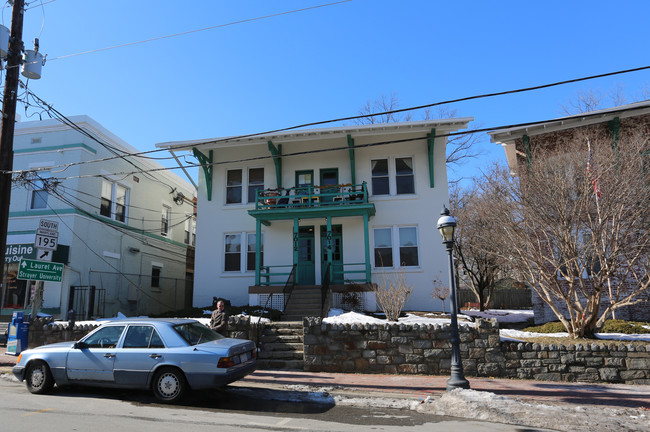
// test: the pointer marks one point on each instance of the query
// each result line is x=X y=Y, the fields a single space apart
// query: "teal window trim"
x=353 y=172
x=56 y=148
x=430 y=146
x=206 y=164
x=277 y=161
x=366 y=243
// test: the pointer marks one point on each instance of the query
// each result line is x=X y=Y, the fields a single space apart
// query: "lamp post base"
x=457 y=382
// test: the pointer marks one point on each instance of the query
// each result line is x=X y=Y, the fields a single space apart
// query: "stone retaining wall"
x=44 y=331
x=425 y=349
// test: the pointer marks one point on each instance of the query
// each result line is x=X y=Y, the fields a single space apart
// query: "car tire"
x=38 y=378
x=169 y=385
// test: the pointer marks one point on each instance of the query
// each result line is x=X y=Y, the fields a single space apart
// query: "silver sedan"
x=168 y=356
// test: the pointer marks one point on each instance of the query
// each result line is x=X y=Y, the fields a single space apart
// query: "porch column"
x=329 y=245
x=258 y=249
x=366 y=238
x=296 y=231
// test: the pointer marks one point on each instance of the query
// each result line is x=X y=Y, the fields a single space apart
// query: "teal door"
x=329 y=180
x=305 y=266
x=335 y=243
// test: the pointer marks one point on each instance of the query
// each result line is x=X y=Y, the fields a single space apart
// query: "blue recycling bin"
x=18 y=331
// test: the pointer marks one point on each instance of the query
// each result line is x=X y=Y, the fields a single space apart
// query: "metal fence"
x=501 y=299
x=86 y=302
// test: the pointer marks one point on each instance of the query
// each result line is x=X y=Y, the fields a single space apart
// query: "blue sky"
x=324 y=63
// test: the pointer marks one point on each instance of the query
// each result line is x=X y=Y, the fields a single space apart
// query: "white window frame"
x=33 y=190
x=243 y=251
x=392 y=175
x=127 y=193
x=245 y=184
x=166 y=210
x=396 y=247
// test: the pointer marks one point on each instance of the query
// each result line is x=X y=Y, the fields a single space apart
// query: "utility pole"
x=14 y=56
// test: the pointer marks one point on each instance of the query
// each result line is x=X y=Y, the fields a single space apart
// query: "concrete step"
x=281 y=346
x=286 y=355
x=275 y=364
x=288 y=338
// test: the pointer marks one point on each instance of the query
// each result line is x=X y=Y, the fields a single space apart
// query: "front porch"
x=300 y=204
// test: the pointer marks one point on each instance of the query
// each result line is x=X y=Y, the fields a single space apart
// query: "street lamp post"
x=447 y=226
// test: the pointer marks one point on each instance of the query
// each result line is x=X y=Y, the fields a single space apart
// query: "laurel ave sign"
x=40 y=270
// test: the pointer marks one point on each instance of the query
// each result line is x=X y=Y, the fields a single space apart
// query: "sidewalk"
x=418 y=387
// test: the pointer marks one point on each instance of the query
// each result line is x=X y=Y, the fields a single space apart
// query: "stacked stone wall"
x=425 y=349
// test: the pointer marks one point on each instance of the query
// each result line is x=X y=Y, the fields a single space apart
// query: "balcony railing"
x=311 y=196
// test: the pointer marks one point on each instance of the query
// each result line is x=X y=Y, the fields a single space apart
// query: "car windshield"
x=196 y=333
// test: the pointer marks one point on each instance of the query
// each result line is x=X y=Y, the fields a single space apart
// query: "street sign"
x=46 y=240
x=48 y=225
x=47 y=234
x=40 y=271
x=44 y=254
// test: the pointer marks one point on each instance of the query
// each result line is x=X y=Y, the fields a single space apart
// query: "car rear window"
x=196 y=333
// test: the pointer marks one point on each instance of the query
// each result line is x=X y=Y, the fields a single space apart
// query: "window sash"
x=380 y=177
x=234 y=186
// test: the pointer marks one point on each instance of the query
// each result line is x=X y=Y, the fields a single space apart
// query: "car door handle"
x=155 y=356
x=109 y=355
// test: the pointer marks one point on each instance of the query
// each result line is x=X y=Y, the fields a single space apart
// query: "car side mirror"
x=80 y=345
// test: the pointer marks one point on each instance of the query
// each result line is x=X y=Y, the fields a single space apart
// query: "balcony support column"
x=258 y=250
x=366 y=242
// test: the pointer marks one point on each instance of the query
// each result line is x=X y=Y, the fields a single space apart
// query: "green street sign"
x=40 y=270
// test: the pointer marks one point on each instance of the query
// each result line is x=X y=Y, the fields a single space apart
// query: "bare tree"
x=392 y=292
x=593 y=100
x=478 y=264
x=579 y=237
x=460 y=148
x=440 y=290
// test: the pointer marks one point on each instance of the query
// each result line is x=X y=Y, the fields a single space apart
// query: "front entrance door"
x=306 y=264
x=329 y=180
x=336 y=244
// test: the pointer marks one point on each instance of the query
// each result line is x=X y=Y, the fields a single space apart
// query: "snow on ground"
x=487 y=406
x=339 y=316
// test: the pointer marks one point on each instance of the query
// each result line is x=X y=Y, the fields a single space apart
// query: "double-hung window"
x=238 y=259
x=237 y=183
x=396 y=247
x=114 y=201
x=392 y=176
x=165 y=220
x=39 y=192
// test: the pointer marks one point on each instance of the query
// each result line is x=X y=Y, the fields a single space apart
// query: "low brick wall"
x=426 y=349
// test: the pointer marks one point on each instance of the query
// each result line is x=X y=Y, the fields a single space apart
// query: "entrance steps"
x=281 y=346
x=305 y=301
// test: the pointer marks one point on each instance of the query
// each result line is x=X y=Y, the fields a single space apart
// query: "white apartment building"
x=340 y=207
x=124 y=231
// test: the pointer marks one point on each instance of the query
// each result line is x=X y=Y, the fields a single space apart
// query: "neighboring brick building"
x=619 y=124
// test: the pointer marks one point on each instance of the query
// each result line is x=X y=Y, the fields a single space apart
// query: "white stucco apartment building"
x=337 y=206
x=124 y=226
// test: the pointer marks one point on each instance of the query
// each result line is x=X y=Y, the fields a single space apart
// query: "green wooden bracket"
x=206 y=164
x=614 y=127
x=353 y=172
x=529 y=155
x=430 y=143
x=277 y=160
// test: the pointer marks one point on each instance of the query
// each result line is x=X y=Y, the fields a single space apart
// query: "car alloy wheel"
x=38 y=378
x=169 y=385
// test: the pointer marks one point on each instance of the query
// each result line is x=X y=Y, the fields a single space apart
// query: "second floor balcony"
x=312 y=201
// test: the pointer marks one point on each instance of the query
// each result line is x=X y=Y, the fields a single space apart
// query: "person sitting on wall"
x=219 y=320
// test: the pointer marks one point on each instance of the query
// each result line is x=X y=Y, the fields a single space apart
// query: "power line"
x=445 y=102
x=345 y=147
x=200 y=30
